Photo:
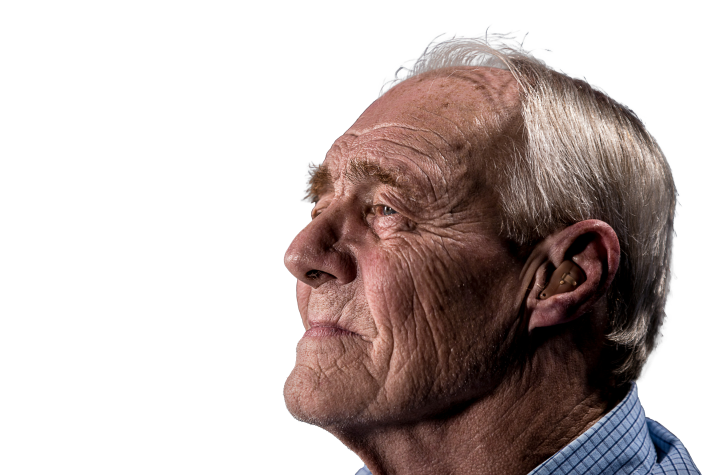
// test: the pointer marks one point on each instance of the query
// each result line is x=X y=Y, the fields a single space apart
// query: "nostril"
x=314 y=274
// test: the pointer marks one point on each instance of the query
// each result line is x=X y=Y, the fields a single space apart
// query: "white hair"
x=585 y=156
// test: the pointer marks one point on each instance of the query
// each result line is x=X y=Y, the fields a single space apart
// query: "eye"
x=384 y=210
x=316 y=212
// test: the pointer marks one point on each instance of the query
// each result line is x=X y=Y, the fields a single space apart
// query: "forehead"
x=438 y=126
x=460 y=97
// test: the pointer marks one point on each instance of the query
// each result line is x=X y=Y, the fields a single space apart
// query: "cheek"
x=402 y=297
x=388 y=287
x=303 y=294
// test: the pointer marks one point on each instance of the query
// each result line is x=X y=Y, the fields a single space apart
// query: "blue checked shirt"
x=622 y=442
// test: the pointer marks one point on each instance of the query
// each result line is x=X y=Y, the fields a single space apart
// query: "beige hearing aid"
x=565 y=278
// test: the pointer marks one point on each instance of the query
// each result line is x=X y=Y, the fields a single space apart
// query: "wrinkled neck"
x=536 y=411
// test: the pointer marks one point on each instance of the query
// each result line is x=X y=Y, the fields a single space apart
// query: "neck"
x=524 y=421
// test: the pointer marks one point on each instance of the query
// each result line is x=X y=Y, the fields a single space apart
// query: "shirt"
x=623 y=441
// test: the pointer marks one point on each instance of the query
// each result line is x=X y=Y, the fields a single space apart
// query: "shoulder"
x=624 y=441
x=672 y=456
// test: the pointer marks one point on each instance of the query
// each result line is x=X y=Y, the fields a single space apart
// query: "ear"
x=593 y=250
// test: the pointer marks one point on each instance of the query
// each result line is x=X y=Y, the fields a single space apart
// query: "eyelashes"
x=378 y=210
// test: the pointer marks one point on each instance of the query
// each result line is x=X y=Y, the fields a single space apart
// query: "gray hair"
x=585 y=156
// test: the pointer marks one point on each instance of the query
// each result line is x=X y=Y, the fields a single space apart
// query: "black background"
x=319 y=79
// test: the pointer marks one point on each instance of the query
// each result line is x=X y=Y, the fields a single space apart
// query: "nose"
x=320 y=253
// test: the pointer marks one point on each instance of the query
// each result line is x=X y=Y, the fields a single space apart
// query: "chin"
x=311 y=399
x=321 y=402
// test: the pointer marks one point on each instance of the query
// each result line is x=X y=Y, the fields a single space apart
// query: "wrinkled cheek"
x=390 y=293
x=303 y=294
x=389 y=290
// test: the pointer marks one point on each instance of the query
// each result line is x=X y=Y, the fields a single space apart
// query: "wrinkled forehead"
x=458 y=97
x=446 y=121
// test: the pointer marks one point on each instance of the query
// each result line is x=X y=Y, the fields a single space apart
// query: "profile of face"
x=405 y=287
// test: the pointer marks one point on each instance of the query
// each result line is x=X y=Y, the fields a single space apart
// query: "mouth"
x=325 y=330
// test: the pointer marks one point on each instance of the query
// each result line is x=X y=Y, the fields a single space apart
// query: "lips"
x=326 y=329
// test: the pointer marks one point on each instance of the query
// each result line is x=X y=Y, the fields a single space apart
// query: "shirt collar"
x=618 y=443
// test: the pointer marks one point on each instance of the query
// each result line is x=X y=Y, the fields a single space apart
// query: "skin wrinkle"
x=428 y=180
x=392 y=367
x=471 y=147
x=436 y=290
x=440 y=136
x=438 y=152
x=447 y=142
x=406 y=157
x=454 y=124
x=432 y=186
x=446 y=194
x=408 y=147
x=419 y=152
x=323 y=182
x=436 y=269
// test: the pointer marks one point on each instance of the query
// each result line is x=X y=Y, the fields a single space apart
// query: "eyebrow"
x=320 y=179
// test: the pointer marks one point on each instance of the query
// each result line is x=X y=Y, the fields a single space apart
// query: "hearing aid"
x=565 y=278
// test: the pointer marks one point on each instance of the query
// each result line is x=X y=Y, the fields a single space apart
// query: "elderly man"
x=485 y=274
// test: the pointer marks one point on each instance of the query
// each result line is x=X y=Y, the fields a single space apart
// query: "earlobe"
x=565 y=278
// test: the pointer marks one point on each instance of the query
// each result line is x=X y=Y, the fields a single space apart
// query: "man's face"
x=407 y=292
